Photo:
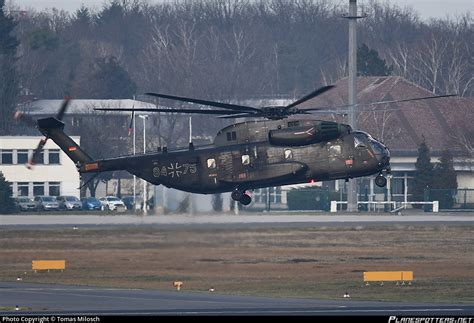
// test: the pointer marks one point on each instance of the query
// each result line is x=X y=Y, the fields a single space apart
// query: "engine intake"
x=307 y=135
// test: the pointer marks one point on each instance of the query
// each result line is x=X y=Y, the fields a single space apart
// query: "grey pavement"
x=44 y=299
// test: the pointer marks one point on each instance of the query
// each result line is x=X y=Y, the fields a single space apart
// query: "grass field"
x=316 y=262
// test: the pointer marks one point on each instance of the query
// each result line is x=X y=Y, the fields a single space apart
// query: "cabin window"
x=231 y=136
x=211 y=163
x=288 y=154
x=245 y=159
x=334 y=150
x=293 y=124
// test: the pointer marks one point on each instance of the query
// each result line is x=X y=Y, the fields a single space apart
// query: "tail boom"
x=53 y=128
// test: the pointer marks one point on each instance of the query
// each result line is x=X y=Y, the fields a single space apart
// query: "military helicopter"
x=244 y=156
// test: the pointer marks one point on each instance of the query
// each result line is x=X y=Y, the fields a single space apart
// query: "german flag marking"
x=72 y=148
x=91 y=166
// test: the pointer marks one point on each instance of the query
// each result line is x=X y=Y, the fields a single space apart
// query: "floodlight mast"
x=352 y=98
x=144 y=117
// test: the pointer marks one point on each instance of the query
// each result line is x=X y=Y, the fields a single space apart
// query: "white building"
x=54 y=174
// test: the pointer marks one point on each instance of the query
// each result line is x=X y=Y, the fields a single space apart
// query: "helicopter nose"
x=384 y=155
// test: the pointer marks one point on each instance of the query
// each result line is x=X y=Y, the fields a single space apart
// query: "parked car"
x=91 y=203
x=69 y=203
x=44 y=203
x=112 y=203
x=25 y=204
x=129 y=202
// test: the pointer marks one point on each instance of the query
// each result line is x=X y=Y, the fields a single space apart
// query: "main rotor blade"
x=414 y=99
x=240 y=108
x=63 y=108
x=240 y=115
x=382 y=102
x=311 y=95
x=171 y=110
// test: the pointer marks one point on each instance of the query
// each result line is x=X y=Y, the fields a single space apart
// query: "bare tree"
x=429 y=59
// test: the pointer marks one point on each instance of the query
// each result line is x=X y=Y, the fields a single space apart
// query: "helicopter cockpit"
x=363 y=140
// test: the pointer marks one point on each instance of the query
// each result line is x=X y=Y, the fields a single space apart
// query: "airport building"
x=54 y=174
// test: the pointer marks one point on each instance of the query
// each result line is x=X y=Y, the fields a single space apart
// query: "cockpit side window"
x=245 y=159
x=211 y=163
x=376 y=147
x=358 y=143
x=334 y=150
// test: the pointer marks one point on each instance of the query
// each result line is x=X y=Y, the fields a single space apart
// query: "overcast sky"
x=425 y=8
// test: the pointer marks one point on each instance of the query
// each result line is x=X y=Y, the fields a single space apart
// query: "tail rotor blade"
x=34 y=158
x=63 y=108
x=25 y=118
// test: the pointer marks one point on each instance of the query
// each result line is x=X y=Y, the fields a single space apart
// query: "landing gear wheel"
x=245 y=199
x=380 y=181
x=237 y=195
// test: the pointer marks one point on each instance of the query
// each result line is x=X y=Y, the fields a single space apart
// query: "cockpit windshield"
x=377 y=147
x=360 y=139
x=364 y=140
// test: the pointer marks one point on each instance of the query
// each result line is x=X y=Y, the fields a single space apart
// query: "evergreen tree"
x=445 y=175
x=112 y=81
x=82 y=16
x=370 y=64
x=445 y=181
x=6 y=202
x=423 y=177
x=8 y=76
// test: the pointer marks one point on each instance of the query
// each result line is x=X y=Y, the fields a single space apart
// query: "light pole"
x=134 y=152
x=144 y=117
x=352 y=85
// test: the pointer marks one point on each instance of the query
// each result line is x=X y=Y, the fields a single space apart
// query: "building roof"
x=443 y=122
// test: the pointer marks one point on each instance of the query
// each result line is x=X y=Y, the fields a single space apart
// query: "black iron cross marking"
x=175 y=170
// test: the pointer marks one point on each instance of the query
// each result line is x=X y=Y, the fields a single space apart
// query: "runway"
x=42 y=299
x=259 y=219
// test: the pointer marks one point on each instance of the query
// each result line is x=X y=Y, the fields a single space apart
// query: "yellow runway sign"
x=48 y=264
x=385 y=276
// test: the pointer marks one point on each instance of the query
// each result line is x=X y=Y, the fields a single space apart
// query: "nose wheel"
x=240 y=196
x=380 y=180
